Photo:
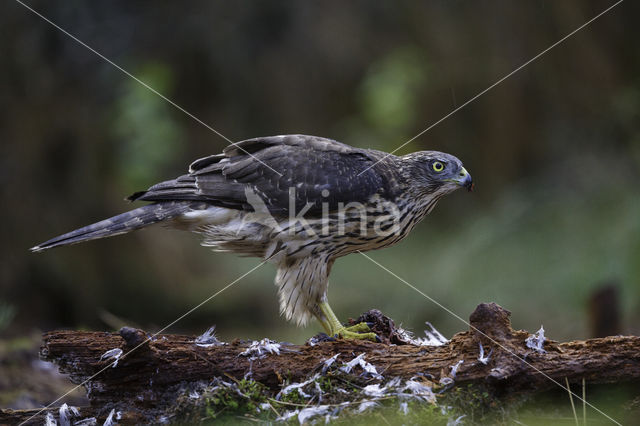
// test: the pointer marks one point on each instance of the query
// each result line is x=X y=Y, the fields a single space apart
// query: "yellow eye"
x=437 y=166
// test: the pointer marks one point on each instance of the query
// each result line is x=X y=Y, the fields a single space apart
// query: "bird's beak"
x=465 y=180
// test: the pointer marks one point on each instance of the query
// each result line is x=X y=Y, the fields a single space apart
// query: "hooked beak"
x=465 y=180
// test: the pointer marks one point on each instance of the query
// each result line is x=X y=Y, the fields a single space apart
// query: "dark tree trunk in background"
x=604 y=310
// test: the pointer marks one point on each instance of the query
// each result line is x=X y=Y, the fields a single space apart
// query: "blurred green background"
x=554 y=151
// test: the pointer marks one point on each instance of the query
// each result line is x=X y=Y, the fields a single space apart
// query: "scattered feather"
x=110 y=421
x=432 y=337
x=536 y=341
x=115 y=353
x=349 y=365
x=231 y=386
x=264 y=406
x=249 y=372
x=308 y=413
x=298 y=387
x=359 y=360
x=49 y=420
x=208 y=339
x=257 y=350
x=481 y=357
x=454 y=368
x=435 y=335
x=313 y=341
x=406 y=335
x=290 y=388
x=66 y=413
x=375 y=390
x=393 y=383
x=456 y=422
x=328 y=418
x=329 y=362
x=319 y=391
x=89 y=421
x=287 y=415
x=418 y=390
x=370 y=369
x=366 y=405
x=446 y=381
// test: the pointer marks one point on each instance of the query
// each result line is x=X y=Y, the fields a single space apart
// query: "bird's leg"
x=334 y=327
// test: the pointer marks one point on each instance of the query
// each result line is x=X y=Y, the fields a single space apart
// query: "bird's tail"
x=120 y=224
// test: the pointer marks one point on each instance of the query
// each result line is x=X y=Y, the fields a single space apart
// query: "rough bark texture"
x=147 y=375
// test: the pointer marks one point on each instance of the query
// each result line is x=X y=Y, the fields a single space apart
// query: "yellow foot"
x=334 y=328
x=359 y=331
x=361 y=327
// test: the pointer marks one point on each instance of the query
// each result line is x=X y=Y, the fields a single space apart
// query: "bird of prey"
x=299 y=202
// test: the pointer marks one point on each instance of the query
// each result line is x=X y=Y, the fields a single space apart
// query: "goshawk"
x=299 y=202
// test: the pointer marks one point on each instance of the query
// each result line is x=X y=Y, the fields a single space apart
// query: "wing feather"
x=319 y=171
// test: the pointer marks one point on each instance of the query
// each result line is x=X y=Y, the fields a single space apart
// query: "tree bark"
x=144 y=376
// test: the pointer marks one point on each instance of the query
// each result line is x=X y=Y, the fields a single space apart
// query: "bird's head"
x=438 y=172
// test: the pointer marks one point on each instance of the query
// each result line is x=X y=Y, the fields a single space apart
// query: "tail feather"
x=120 y=224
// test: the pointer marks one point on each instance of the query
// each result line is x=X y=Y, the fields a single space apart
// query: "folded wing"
x=285 y=171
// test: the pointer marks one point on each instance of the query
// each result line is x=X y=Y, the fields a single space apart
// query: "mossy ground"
x=249 y=402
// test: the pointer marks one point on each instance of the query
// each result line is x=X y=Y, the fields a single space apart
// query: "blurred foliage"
x=26 y=381
x=7 y=312
x=390 y=92
x=554 y=150
x=148 y=136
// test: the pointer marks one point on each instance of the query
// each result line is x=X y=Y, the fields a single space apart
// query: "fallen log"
x=137 y=374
